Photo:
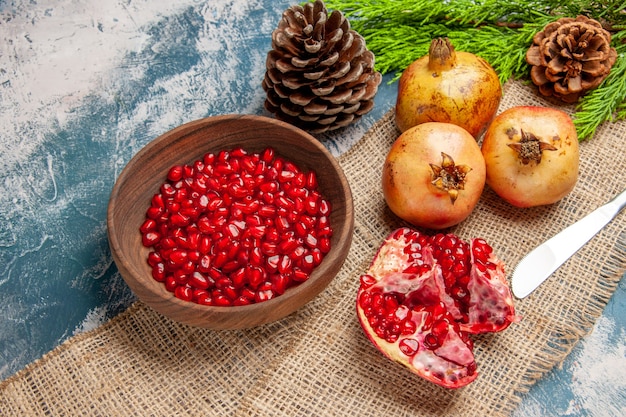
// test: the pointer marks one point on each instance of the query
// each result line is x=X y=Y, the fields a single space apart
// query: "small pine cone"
x=570 y=57
x=320 y=75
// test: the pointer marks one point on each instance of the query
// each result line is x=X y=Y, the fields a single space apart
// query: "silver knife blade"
x=546 y=258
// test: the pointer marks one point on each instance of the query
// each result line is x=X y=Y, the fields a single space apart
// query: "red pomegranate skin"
x=407 y=175
x=532 y=182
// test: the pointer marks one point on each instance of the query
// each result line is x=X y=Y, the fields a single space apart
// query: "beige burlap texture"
x=317 y=362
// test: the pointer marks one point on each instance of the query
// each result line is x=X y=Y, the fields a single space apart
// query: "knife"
x=542 y=261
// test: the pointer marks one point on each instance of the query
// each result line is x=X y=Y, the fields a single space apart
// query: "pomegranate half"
x=423 y=296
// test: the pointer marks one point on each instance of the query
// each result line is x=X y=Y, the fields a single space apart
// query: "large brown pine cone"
x=570 y=57
x=320 y=75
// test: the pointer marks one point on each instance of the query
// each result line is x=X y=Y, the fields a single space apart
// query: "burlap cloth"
x=317 y=362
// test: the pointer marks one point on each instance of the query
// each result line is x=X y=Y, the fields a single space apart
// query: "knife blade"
x=546 y=258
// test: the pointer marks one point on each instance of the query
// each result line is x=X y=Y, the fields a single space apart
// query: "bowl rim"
x=345 y=231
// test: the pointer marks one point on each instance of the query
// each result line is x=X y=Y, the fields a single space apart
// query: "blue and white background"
x=84 y=84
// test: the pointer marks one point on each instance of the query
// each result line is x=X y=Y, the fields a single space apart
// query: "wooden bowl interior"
x=145 y=173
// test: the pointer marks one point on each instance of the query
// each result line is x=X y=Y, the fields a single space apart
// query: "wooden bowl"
x=146 y=171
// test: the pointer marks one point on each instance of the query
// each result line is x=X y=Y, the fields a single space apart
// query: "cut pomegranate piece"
x=424 y=295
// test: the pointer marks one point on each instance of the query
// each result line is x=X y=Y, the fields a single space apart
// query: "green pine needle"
x=500 y=31
x=607 y=103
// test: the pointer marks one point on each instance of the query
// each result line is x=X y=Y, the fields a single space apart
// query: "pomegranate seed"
x=198 y=280
x=308 y=262
x=288 y=245
x=267 y=211
x=158 y=272
x=157 y=201
x=208 y=159
x=242 y=256
x=409 y=346
x=280 y=283
x=277 y=165
x=255 y=275
x=440 y=328
x=204 y=263
x=149 y=225
x=285 y=202
x=311 y=180
x=180 y=277
x=286 y=175
x=273 y=262
x=318 y=256
x=184 y=293
x=238 y=152
x=230 y=266
x=299 y=275
x=431 y=341
x=170 y=283
x=241 y=301
x=221 y=301
x=284 y=265
x=297 y=253
x=248 y=163
x=233 y=231
x=290 y=166
x=301 y=229
x=179 y=220
x=224 y=222
x=200 y=294
x=220 y=259
x=272 y=235
x=310 y=240
x=238 y=277
x=154 y=212
x=324 y=207
x=263 y=295
x=178 y=257
x=214 y=273
x=271 y=173
x=150 y=239
x=168 y=190
x=230 y=292
x=253 y=220
x=251 y=206
x=194 y=256
x=367 y=281
x=268 y=155
x=324 y=245
x=311 y=204
x=269 y=248
x=256 y=232
x=256 y=257
x=292 y=216
x=297 y=194
x=154 y=258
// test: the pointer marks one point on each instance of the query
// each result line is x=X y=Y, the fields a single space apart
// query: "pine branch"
x=607 y=103
x=500 y=31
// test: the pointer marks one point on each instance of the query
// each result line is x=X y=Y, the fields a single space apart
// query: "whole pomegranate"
x=532 y=155
x=433 y=175
x=448 y=86
x=423 y=296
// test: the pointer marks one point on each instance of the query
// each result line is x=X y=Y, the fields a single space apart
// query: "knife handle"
x=572 y=238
